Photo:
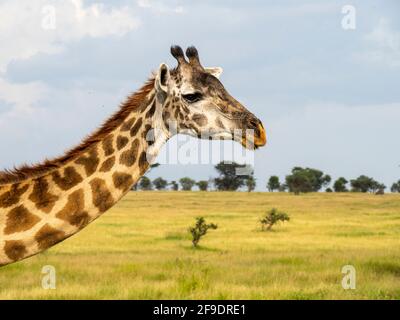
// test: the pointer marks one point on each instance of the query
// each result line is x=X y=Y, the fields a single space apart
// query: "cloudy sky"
x=329 y=96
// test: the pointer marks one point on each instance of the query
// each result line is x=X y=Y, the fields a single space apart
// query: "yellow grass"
x=141 y=250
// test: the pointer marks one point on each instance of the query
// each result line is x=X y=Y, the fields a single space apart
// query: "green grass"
x=141 y=250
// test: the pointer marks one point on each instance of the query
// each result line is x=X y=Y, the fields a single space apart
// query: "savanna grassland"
x=141 y=249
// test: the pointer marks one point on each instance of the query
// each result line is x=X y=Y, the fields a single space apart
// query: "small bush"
x=200 y=229
x=272 y=217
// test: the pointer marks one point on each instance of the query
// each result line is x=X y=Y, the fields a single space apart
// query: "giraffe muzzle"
x=254 y=136
x=260 y=137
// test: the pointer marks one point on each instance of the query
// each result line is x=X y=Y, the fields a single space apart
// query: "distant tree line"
x=303 y=180
x=233 y=176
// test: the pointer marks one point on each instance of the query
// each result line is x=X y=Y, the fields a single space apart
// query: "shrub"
x=272 y=217
x=200 y=229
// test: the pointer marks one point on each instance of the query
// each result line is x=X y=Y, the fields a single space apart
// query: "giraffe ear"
x=215 y=71
x=162 y=77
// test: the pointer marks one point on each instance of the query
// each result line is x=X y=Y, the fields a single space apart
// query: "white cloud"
x=27 y=29
x=20 y=96
x=384 y=45
x=159 y=6
x=24 y=26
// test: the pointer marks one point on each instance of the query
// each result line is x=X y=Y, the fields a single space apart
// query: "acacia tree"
x=283 y=187
x=366 y=184
x=174 y=185
x=250 y=183
x=203 y=185
x=395 y=187
x=160 y=183
x=273 y=183
x=340 y=185
x=306 y=180
x=187 y=183
x=145 y=184
x=230 y=176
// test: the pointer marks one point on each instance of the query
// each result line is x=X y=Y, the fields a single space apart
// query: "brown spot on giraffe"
x=122 y=142
x=108 y=145
x=127 y=125
x=20 y=219
x=177 y=111
x=143 y=163
x=166 y=115
x=90 y=161
x=151 y=111
x=147 y=134
x=73 y=212
x=219 y=123
x=102 y=198
x=15 y=249
x=128 y=157
x=12 y=196
x=108 y=164
x=200 y=119
x=41 y=197
x=147 y=101
x=70 y=178
x=136 y=127
x=122 y=181
x=184 y=126
x=48 y=236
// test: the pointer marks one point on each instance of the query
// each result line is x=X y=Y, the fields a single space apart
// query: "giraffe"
x=45 y=204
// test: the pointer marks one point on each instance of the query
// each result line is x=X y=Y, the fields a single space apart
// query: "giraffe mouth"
x=260 y=137
x=254 y=138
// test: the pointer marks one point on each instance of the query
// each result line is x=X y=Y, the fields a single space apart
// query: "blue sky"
x=329 y=98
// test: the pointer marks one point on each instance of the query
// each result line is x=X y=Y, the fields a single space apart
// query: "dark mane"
x=133 y=102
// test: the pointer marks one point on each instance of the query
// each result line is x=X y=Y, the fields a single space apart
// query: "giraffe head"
x=199 y=105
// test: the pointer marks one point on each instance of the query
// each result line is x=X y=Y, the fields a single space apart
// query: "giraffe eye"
x=192 y=97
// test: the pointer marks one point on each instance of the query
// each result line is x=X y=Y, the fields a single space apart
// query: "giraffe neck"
x=39 y=212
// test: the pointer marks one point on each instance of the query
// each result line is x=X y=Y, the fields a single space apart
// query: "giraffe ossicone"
x=44 y=204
